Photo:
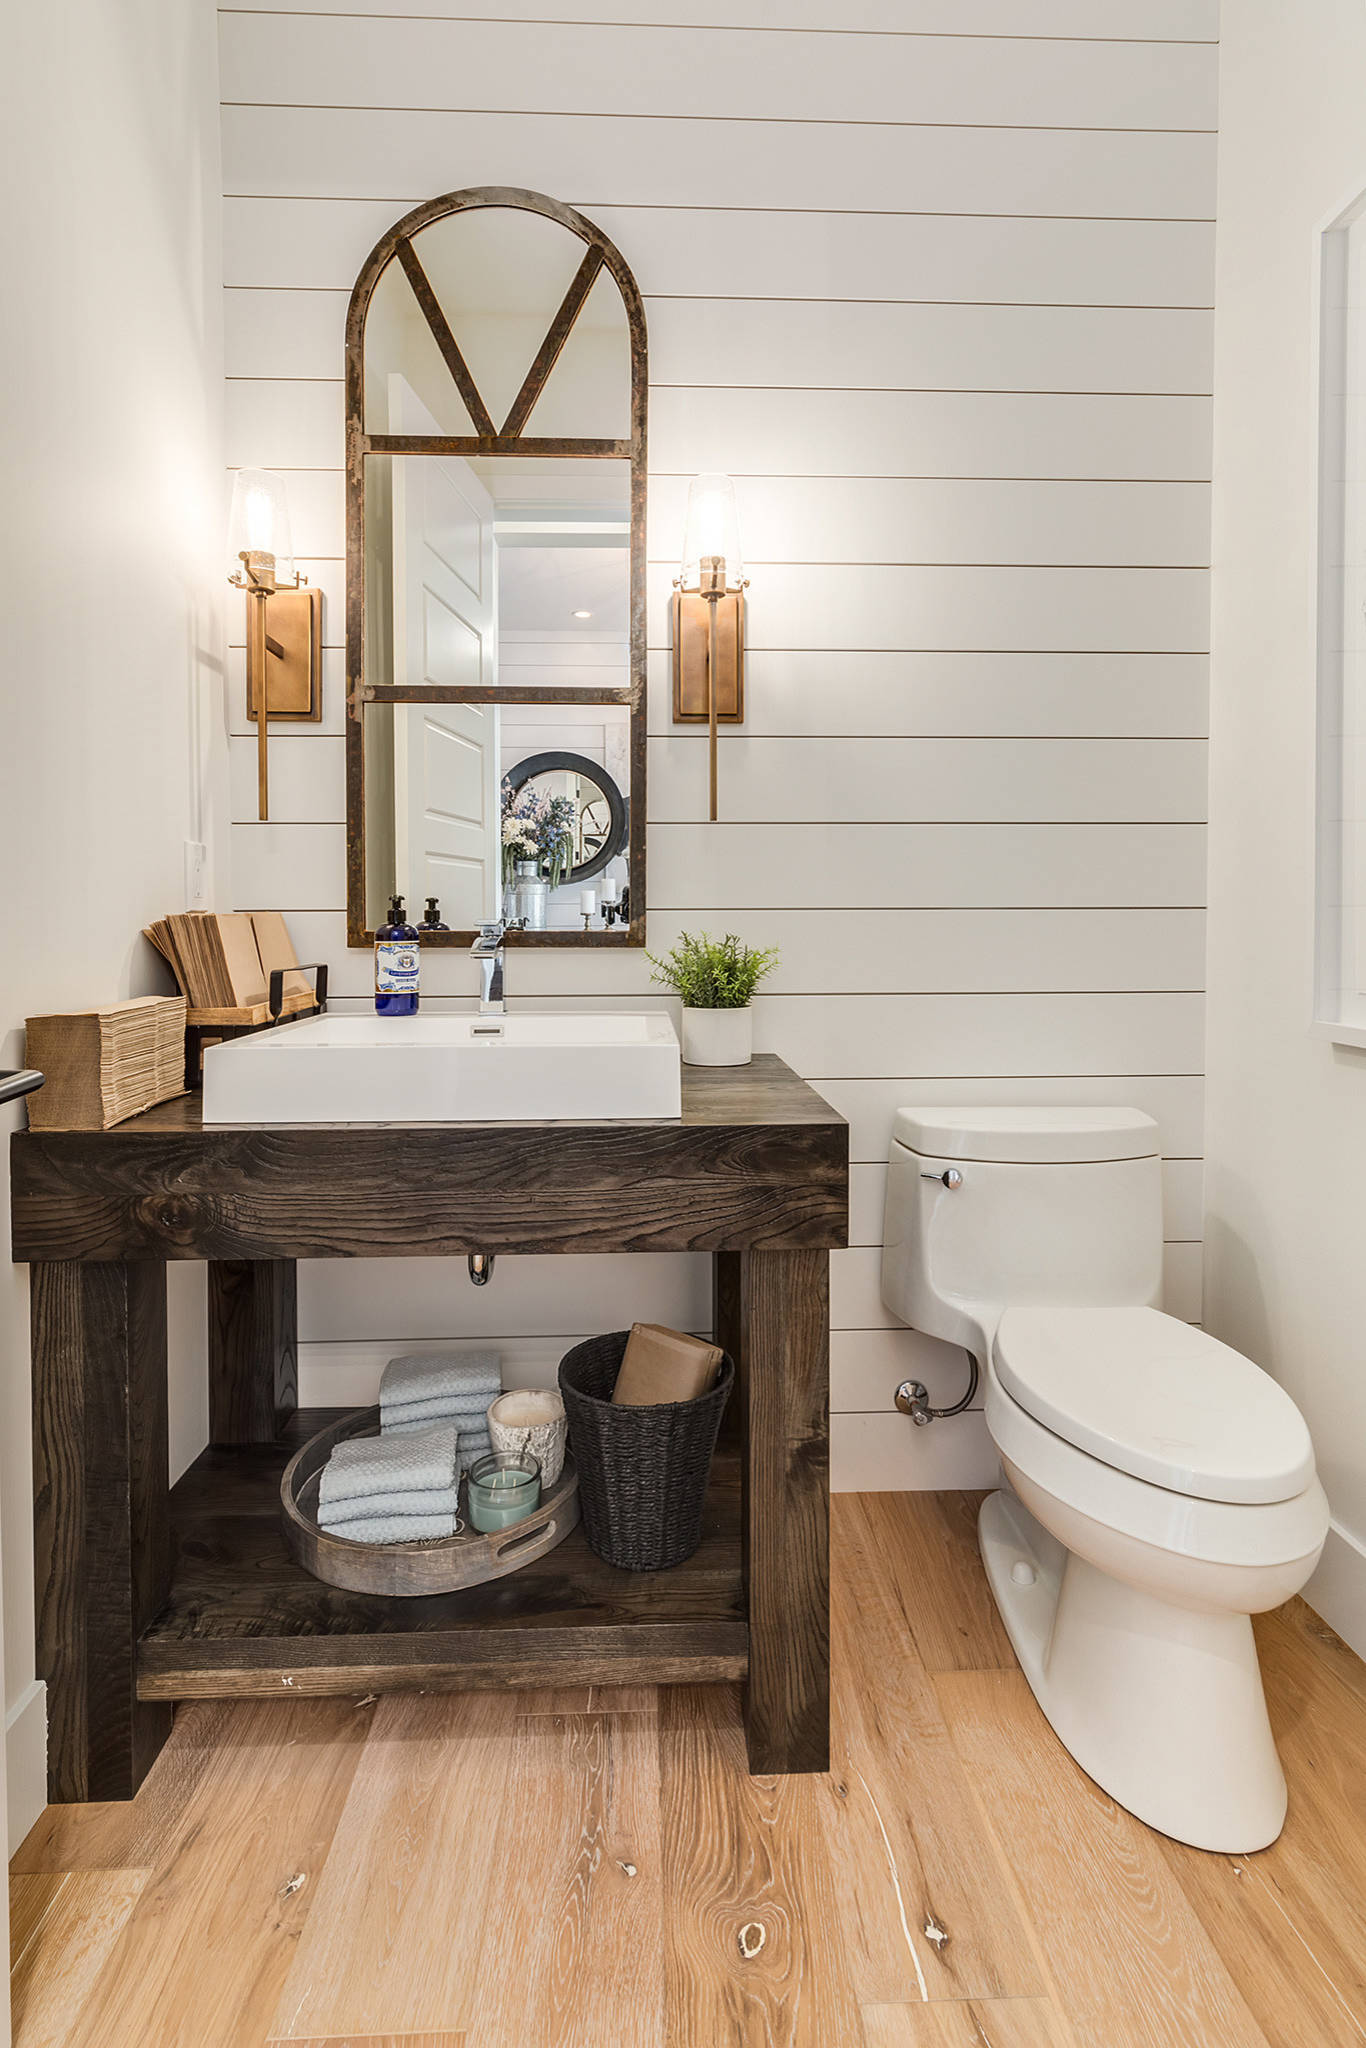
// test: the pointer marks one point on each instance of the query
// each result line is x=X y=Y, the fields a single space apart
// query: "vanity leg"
x=253 y=1349
x=773 y=1315
x=101 y=1533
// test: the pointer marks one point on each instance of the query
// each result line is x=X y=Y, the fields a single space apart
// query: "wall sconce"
x=284 y=658
x=708 y=615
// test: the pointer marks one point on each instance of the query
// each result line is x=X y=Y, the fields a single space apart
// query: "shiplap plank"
x=686 y=251
x=929 y=433
x=796 y=345
x=992 y=1034
x=869 y=1456
x=426 y=1300
x=342 y=152
x=1123 y=20
x=788 y=691
x=1121 y=611
x=1175 y=1101
x=288 y=866
x=929 y=348
x=760 y=867
x=347 y=1374
x=998 y=520
x=792 y=781
x=899 y=952
x=747 y=866
x=307 y=778
x=734 y=74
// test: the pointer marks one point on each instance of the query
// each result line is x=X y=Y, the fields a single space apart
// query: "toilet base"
x=1162 y=1705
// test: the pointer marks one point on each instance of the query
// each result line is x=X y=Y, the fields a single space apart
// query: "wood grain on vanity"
x=755 y=1171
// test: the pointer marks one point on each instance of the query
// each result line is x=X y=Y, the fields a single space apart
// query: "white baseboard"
x=1337 y=1590
x=26 y=1761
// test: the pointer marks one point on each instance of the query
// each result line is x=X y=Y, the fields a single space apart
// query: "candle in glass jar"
x=502 y=1489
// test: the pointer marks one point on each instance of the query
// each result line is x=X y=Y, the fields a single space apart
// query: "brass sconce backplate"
x=294 y=656
x=690 y=631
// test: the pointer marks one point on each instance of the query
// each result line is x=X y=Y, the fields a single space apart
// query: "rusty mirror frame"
x=509 y=440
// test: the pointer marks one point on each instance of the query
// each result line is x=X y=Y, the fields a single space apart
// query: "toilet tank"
x=1051 y=1206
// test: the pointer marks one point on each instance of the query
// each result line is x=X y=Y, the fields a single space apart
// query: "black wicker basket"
x=642 y=1471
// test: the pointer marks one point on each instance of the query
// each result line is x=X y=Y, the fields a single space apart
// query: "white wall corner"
x=1337 y=1590
x=26 y=1760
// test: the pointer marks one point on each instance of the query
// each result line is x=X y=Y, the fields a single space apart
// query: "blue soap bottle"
x=396 y=965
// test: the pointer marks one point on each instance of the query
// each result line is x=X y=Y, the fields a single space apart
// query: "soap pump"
x=396 y=964
x=432 y=921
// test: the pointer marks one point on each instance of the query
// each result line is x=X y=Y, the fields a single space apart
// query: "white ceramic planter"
x=717 y=1038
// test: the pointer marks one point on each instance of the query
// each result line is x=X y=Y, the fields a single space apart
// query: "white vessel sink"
x=404 y=1070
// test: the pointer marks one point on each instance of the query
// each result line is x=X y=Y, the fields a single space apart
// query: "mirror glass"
x=496 y=548
x=469 y=801
x=499 y=276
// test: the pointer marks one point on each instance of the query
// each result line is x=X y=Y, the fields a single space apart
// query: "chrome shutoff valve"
x=913 y=1399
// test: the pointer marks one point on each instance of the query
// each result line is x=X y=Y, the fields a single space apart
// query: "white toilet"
x=1162 y=1485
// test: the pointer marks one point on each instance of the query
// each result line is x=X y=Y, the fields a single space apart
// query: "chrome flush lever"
x=950 y=1178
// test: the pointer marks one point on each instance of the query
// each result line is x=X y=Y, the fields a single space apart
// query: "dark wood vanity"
x=148 y=1594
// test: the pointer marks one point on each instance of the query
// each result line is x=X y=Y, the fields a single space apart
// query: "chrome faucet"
x=488 y=951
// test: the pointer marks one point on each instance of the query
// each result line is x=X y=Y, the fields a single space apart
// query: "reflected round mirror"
x=597 y=820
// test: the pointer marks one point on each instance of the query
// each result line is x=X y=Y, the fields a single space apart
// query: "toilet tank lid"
x=1031 y=1136
x=1156 y=1398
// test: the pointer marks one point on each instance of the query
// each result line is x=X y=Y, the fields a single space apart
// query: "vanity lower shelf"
x=244 y=1618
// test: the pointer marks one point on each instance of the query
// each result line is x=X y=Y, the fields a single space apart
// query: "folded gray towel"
x=364 y=1507
x=417 y=1461
x=467 y=1410
x=419 y=1376
x=396 y=1529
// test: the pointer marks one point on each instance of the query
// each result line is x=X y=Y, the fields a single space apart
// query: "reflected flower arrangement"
x=540 y=828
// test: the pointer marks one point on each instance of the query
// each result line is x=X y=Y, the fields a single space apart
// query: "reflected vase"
x=533 y=896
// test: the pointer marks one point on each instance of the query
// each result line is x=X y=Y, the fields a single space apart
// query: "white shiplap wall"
x=932 y=279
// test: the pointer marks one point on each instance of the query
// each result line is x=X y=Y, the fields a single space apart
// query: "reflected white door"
x=446 y=787
x=446 y=778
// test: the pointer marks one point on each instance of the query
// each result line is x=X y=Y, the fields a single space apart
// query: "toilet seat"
x=1259 y=1535
x=1156 y=1399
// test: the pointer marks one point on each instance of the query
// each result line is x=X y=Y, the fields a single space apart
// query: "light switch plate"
x=196 y=874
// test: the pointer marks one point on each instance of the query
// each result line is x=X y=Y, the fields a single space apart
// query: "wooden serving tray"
x=404 y=1570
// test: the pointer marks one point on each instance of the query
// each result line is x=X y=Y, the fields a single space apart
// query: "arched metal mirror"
x=495 y=604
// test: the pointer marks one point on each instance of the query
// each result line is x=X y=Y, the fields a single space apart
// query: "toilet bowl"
x=1127 y=1599
x=1161 y=1487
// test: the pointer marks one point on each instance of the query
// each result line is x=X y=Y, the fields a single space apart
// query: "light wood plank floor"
x=594 y=1869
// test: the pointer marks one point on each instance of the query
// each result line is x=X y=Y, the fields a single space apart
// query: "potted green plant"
x=716 y=979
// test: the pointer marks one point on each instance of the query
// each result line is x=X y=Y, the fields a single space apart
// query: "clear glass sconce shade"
x=712 y=527
x=259 y=522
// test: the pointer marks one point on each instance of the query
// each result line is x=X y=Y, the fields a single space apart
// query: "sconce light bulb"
x=259 y=522
x=711 y=529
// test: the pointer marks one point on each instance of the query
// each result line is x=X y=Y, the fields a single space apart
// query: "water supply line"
x=913 y=1398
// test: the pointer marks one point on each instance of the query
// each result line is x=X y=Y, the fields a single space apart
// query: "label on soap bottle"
x=396 y=967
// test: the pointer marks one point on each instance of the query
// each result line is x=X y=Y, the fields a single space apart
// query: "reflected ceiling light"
x=582 y=615
x=284 y=664
x=708 y=615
